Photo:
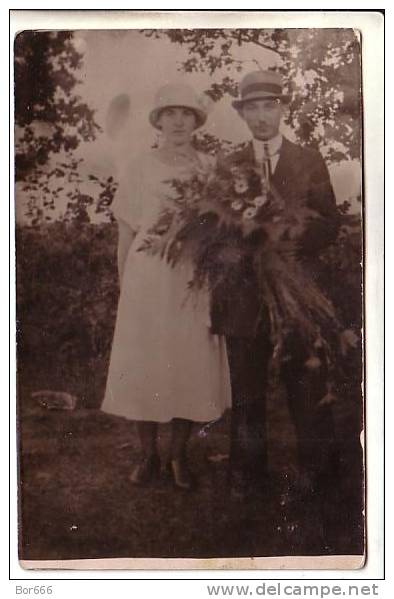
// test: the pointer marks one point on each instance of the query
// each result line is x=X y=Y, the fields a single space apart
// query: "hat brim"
x=154 y=115
x=237 y=104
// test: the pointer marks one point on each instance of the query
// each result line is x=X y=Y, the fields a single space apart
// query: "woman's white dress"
x=164 y=362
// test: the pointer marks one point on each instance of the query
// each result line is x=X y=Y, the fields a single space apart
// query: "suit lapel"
x=285 y=177
x=283 y=165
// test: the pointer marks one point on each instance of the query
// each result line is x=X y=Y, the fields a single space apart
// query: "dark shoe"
x=180 y=474
x=147 y=470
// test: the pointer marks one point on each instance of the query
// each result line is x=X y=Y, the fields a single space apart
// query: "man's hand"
x=348 y=340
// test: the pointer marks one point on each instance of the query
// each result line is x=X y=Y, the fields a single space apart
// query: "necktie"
x=267 y=166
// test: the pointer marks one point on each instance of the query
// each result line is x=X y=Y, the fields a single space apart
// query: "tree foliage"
x=320 y=67
x=51 y=121
x=49 y=116
x=47 y=187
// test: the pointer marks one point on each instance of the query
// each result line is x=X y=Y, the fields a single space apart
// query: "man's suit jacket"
x=301 y=177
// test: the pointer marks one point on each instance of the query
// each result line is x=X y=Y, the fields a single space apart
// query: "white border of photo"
x=371 y=25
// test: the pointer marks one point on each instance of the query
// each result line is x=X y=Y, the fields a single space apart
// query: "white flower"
x=237 y=205
x=241 y=185
x=259 y=201
x=249 y=213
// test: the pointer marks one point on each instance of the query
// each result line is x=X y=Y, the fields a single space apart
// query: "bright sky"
x=121 y=72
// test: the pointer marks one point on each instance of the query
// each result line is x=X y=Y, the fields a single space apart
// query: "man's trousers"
x=249 y=360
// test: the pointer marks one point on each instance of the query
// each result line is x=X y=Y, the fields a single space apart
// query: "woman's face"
x=177 y=124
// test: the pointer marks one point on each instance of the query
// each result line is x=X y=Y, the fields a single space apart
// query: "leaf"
x=321 y=70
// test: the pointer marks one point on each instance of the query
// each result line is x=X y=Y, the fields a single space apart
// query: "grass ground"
x=75 y=500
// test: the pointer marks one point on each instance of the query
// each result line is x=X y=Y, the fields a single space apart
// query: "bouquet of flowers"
x=222 y=216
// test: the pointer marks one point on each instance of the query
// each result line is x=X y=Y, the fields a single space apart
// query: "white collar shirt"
x=274 y=146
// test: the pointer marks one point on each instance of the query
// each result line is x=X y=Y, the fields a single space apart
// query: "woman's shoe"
x=147 y=470
x=180 y=474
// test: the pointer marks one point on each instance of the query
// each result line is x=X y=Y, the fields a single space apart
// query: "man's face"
x=262 y=117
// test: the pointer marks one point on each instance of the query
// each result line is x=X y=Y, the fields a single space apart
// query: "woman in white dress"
x=165 y=364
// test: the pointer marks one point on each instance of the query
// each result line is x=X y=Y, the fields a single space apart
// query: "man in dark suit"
x=299 y=175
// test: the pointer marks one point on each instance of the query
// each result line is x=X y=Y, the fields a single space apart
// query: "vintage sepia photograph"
x=189 y=262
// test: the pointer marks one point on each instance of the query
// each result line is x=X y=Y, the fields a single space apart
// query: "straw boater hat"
x=179 y=95
x=260 y=85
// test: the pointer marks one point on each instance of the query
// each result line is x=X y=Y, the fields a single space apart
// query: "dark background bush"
x=67 y=290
